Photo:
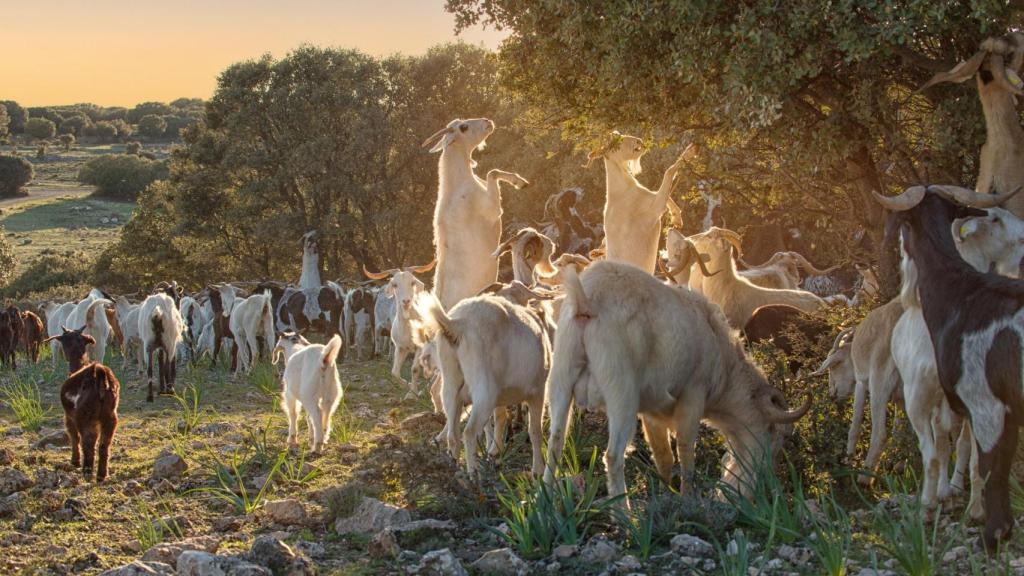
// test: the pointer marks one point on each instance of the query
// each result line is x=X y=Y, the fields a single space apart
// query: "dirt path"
x=44 y=192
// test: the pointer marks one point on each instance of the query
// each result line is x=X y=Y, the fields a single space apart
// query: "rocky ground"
x=205 y=487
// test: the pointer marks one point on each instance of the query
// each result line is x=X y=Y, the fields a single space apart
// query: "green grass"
x=23 y=398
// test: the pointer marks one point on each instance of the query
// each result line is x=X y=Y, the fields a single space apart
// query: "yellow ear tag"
x=963 y=230
x=1014 y=79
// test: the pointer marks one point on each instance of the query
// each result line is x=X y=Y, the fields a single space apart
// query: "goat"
x=310 y=383
x=531 y=251
x=467 y=217
x=991 y=243
x=493 y=354
x=310 y=277
x=320 y=308
x=860 y=362
x=17 y=324
x=33 y=335
x=977 y=349
x=402 y=286
x=90 y=314
x=773 y=323
x=171 y=289
x=632 y=213
x=996 y=65
x=359 y=320
x=782 y=271
x=221 y=301
x=682 y=257
x=160 y=329
x=89 y=396
x=128 y=315
x=384 y=314
x=426 y=364
x=8 y=344
x=564 y=225
x=251 y=319
x=736 y=295
x=610 y=352
x=56 y=317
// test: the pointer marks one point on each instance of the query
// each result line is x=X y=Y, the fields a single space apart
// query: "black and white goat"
x=976 y=323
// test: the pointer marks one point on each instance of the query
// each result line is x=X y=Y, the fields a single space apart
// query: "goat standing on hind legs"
x=89 y=396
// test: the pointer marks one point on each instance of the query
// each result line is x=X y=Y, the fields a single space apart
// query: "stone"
x=199 y=563
x=372 y=516
x=689 y=545
x=501 y=561
x=230 y=523
x=440 y=563
x=384 y=545
x=873 y=572
x=168 y=552
x=6 y=456
x=9 y=505
x=421 y=419
x=172 y=525
x=141 y=568
x=955 y=553
x=280 y=557
x=311 y=549
x=563 y=551
x=600 y=550
x=51 y=438
x=288 y=512
x=13 y=480
x=628 y=564
x=169 y=466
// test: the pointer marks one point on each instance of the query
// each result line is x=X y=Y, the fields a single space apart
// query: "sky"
x=122 y=52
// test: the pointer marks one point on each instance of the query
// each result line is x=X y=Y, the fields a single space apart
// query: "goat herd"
x=596 y=327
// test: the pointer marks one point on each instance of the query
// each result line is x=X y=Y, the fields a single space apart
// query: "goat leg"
x=74 y=439
x=107 y=428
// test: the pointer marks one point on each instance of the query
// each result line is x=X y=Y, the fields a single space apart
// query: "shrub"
x=152 y=126
x=122 y=175
x=40 y=128
x=133 y=147
x=48 y=113
x=124 y=129
x=15 y=172
x=7 y=259
x=50 y=271
x=105 y=131
x=41 y=151
x=18 y=116
x=78 y=124
x=5 y=121
x=67 y=140
x=136 y=114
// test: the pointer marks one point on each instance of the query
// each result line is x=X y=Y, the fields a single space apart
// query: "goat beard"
x=633 y=167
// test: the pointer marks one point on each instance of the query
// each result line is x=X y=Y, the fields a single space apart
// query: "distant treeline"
x=153 y=121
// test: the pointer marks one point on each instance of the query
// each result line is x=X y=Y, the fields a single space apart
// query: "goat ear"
x=445 y=140
x=967 y=228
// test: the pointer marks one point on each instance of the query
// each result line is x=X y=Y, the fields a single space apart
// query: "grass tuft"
x=25 y=400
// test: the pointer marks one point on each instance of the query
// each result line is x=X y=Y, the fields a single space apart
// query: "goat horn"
x=700 y=259
x=779 y=415
x=806 y=265
x=905 y=201
x=378 y=275
x=511 y=239
x=959 y=73
x=494 y=287
x=668 y=274
x=735 y=239
x=422 y=269
x=434 y=136
x=593 y=156
x=972 y=198
x=676 y=214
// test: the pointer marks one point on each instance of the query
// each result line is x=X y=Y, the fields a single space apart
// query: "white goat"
x=735 y=295
x=402 y=287
x=310 y=383
x=426 y=364
x=493 y=354
x=56 y=318
x=467 y=218
x=384 y=314
x=610 y=352
x=89 y=315
x=531 y=254
x=781 y=271
x=128 y=314
x=251 y=319
x=160 y=328
x=632 y=213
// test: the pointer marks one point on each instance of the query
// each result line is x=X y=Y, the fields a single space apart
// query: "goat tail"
x=575 y=297
x=329 y=357
x=90 y=312
x=429 y=317
x=568 y=365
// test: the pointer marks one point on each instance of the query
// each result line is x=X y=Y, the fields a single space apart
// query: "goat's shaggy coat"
x=160 y=328
x=33 y=335
x=252 y=319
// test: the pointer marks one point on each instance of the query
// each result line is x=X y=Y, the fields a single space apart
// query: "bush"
x=18 y=116
x=122 y=175
x=50 y=271
x=136 y=114
x=40 y=128
x=15 y=172
x=41 y=152
x=7 y=259
x=133 y=147
x=152 y=126
x=79 y=125
x=66 y=140
x=5 y=121
x=124 y=129
x=105 y=131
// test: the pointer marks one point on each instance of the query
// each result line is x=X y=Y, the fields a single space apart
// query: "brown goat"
x=89 y=396
x=8 y=342
x=33 y=335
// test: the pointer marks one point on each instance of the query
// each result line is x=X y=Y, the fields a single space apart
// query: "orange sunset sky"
x=120 y=53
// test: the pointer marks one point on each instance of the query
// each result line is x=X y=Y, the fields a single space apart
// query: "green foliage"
x=40 y=128
x=8 y=261
x=297 y=472
x=343 y=424
x=907 y=536
x=832 y=534
x=765 y=505
x=66 y=140
x=49 y=271
x=135 y=115
x=152 y=524
x=541 y=517
x=23 y=398
x=152 y=126
x=104 y=130
x=736 y=562
x=231 y=485
x=189 y=401
x=5 y=122
x=15 y=172
x=121 y=175
x=133 y=147
x=17 y=116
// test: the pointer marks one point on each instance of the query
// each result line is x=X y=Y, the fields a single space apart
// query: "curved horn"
x=494 y=287
x=593 y=156
x=807 y=266
x=959 y=73
x=378 y=275
x=778 y=415
x=972 y=198
x=669 y=273
x=696 y=255
x=422 y=269
x=435 y=135
x=908 y=199
x=509 y=242
x=735 y=239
